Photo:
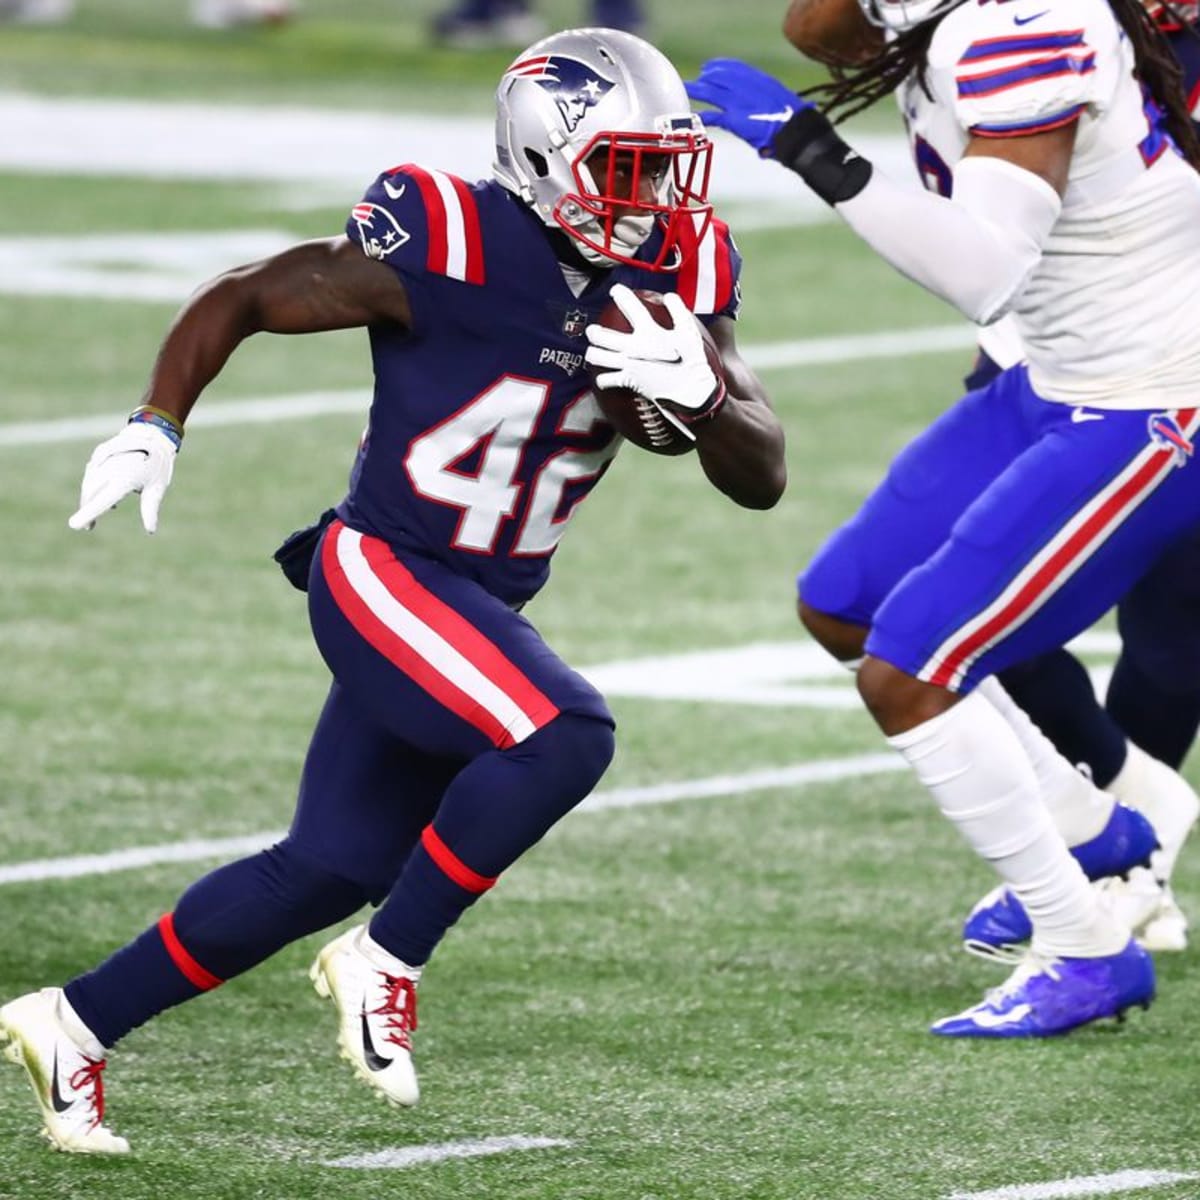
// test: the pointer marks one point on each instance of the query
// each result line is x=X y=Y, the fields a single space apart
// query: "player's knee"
x=896 y=700
x=300 y=883
x=585 y=742
x=833 y=586
x=842 y=639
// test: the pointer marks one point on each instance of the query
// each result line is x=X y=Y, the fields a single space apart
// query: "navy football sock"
x=498 y=806
x=226 y=922
x=1162 y=722
x=1054 y=689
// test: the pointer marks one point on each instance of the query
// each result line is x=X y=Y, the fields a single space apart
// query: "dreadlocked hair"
x=1160 y=72
x=853 y=89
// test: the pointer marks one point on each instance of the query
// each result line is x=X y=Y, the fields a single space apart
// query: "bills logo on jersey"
x=378 y=230
x=1166 y=433
x=574 y=86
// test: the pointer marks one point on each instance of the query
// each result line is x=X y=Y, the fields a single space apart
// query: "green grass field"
x=711 y=999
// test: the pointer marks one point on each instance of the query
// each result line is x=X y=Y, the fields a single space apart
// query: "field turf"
x=717 y=998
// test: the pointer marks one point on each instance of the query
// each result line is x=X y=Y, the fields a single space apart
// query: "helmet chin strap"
x=629 y=235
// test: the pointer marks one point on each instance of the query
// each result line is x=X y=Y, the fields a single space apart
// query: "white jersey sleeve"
x=1026 y=69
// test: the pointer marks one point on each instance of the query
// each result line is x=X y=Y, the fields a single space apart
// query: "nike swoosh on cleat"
x=56 y=1098
x=375 y=1060
x=993 y=1020
x=1026 y=20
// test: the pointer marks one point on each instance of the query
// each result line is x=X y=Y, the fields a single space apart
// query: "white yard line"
x=163 y=139
x=411 y=1156
x=259 y=410
x=1080 y=1185
x=797 y=776
x=768 y=356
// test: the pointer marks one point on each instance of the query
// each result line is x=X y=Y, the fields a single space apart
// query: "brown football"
x=635 y=418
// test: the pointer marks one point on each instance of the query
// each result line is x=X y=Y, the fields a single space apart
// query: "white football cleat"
x=376 y=999
x=1165 y=797
x=43 y=1035
x=1148 y=908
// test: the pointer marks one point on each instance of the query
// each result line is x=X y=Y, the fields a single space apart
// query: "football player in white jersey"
x=1065 y=191
x=1134 y=744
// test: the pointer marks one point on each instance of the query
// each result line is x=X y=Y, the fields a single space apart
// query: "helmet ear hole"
x=538 y=162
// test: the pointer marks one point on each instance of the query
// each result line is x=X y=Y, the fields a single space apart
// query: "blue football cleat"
x=1125 y=842
x=1048 y=996
x=998 y=925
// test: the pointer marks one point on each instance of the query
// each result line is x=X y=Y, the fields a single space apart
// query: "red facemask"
x=640 y=179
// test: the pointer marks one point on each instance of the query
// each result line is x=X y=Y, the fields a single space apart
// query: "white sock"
x=1164 y=797
x=382 y=958
x=79 y=1033
x=973 y=763
x=1079 y=809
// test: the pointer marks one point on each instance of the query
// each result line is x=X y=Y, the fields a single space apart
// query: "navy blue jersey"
x=483 y=434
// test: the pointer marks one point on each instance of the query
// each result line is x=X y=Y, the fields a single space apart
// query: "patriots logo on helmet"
x=378 y=230
x=574 y=86
x=1166 y=432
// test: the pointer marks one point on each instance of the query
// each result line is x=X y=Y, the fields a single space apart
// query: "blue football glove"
x=746 y=101
x=781 y=125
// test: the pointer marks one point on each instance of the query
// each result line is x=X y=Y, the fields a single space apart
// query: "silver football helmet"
x=595 y=134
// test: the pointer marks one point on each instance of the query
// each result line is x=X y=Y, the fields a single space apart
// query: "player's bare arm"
x=1046 y=155
x=706 y=391
x=319 y=285
x=315 y=286
x=742 y=448
x=833 y=32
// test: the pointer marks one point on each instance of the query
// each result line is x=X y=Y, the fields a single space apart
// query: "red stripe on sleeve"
x=452 y=865
x=689 y=272
x=470 y=212
x=191 y=970
x=724 y=265
x=435 y=218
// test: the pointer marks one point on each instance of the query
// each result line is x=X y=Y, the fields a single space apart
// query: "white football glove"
x=139 y=459
x=668 y=366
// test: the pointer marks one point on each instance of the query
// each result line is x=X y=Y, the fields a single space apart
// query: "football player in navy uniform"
x=1064 y=189
x=453 y=737
x=1135 y=743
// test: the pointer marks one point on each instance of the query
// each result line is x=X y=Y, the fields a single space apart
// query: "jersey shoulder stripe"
x=989 y=83
x=455 y=241
x=1039 y=124
x=1021 y=43
x=708 y=275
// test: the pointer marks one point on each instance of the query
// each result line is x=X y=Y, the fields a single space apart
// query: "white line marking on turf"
x=1081 y=1185
x=411 y=1156
x=769 y=356
x=258 y=411
x=98 y=135
x=799 y=775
